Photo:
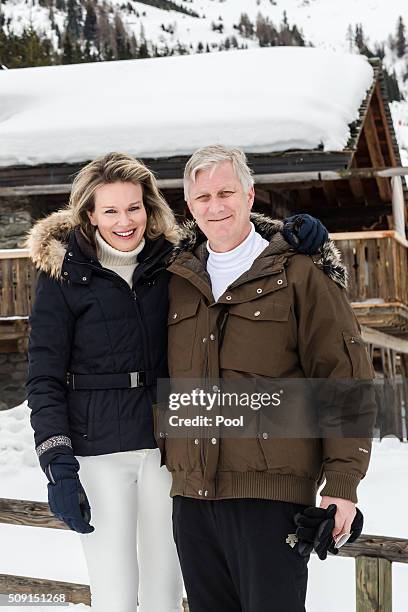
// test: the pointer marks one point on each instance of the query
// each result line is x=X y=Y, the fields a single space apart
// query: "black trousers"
x=234 y=556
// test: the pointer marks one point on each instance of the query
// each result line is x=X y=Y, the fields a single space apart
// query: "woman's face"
x=119 y=214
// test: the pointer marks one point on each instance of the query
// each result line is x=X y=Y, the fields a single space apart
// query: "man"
x=244 y=304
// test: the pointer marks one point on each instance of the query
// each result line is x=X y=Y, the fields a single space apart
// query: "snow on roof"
x=263 y=100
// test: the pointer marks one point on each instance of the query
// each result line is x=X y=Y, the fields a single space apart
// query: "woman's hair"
x=210 y=157
x=115 y=167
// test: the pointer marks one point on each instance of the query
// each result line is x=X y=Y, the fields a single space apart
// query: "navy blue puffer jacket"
x=87 y=321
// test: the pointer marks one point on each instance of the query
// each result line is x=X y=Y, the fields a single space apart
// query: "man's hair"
x=208 y=157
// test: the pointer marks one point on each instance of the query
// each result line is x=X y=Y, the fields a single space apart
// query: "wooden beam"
x=383 y=114
x=377 y=338
x=23 y=585
x=373 y=585
x=13 y=253
x=373 y=234
x=265 y=179
x=376 y=156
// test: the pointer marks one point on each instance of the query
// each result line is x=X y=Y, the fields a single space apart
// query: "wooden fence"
x=17 y=283
x=374 y=556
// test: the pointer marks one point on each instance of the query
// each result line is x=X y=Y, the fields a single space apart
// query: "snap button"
x=213 y=440
x=257 y=313
x=228 y=297
x=215 y=388
x=175 y=315
x=84 y=278
x=265 y=435
x=259 y=290
x=200 y=492
x=196 y=441
x=70 y=254
x=65 y=273
x=212 y=337
x=205 y=493
x=280 y=281
x=205 y=339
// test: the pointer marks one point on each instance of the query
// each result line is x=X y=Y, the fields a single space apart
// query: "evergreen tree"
x=401 y=42
x=245 y=26
x=74 y=19
x=91 y=23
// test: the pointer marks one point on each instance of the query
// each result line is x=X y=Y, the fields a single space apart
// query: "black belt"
x=131 y=380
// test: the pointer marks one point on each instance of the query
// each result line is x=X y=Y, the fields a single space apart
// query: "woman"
x=97 y=346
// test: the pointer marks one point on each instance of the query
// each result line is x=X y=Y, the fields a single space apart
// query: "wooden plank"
x=28 y=513
x=369 y=235
x=377 y=338
x=13 y=253
x=390 y=144
x=6 y=287
x=376 y=156
x=260 y=178
x=75 y=593
x=373 y=585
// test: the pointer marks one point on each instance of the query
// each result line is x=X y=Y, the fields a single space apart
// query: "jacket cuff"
x=342 y=485
x=50 y=448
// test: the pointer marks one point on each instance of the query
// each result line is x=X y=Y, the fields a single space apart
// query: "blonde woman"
x=100 y=318
x=98 y=344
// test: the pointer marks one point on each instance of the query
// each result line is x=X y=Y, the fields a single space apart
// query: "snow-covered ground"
x=31 y=551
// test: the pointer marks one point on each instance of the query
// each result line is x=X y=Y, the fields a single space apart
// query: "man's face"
x=220 y=206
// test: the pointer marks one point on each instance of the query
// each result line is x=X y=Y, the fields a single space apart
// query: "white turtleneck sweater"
x=121 y=262
x=225 y=268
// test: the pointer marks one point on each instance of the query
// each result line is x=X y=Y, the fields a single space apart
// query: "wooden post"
x=373 y=584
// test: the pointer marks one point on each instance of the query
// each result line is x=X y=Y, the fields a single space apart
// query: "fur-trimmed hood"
x=328 y=257
x=47 y=242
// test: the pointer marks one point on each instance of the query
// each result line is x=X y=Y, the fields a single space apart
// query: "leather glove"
x=66 y=496
x=314 y=530
x=304 y=233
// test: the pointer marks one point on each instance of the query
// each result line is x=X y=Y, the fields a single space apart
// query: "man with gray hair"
x=245 y=305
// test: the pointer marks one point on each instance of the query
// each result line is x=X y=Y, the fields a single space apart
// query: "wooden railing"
x=17 y=283
x=377 y=264
x=374 y=556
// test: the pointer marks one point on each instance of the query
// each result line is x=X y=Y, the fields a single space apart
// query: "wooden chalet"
x=359 y=193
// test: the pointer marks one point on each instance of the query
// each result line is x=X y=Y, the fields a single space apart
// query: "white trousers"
x=131 y=555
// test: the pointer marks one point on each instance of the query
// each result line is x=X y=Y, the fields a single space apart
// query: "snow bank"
x=261 y=99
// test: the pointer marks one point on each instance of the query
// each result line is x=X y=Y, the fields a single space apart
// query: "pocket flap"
x=182 y=311
x=259 y=310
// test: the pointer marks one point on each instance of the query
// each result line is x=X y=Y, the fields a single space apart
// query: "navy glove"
x=304 y=233
x=314 y=530
x=66 y=497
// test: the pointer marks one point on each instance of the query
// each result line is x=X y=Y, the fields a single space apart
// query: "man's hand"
x=346 y=511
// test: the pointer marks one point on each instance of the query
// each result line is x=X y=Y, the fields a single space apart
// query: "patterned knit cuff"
x=52 y=443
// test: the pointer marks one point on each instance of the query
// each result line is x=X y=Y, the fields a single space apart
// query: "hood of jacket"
x=328 y=258
x=47 y=242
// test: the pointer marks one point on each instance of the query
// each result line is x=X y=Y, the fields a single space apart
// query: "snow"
x=302 y=98
x=382 y=498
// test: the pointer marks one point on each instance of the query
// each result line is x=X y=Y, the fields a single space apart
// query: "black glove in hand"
x=66 y=496
x=315 y=527
x=304 y=233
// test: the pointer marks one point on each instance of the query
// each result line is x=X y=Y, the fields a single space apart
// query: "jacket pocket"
x=257 y=333
x=362 y=366
x=182 y=325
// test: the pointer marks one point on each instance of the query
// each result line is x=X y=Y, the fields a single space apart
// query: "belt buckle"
x=136 y=380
